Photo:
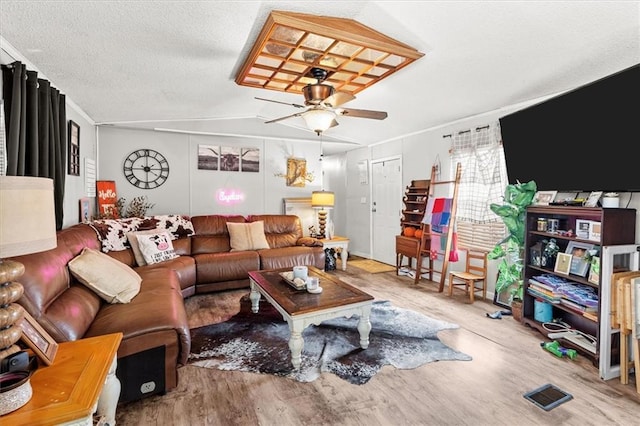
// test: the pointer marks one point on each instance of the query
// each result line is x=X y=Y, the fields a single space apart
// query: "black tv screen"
x=584 y=140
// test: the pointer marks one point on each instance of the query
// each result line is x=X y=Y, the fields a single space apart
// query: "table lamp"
x=322 y=200
x=27 y=225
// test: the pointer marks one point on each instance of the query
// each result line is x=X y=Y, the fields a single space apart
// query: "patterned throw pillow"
x=135 y=246
x=156 y=248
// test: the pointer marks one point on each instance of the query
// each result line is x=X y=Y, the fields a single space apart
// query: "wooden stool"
x=475 y=273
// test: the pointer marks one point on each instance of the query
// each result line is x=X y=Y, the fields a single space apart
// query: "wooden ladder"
x=425 y=239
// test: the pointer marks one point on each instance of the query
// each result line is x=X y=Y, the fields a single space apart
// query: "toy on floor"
x=555 y=348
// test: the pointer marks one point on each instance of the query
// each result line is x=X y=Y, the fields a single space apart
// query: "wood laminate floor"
x=507 y=362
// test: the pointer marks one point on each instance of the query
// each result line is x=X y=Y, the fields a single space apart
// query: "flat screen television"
x=583 y=140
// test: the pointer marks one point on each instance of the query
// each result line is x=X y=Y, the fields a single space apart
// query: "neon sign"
x=229 y=196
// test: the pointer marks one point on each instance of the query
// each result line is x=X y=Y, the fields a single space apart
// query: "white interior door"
x=386 y=207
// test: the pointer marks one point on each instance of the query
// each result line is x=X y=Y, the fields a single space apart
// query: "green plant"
x=510 y=250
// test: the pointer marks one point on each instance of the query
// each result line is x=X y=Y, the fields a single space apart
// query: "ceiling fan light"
x=319 y=120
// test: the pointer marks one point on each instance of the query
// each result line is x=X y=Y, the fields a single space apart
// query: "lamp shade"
x=27 y=215
x=319 y=120
x=322 y=199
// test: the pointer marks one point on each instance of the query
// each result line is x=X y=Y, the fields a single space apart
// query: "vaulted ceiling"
x=173 y=64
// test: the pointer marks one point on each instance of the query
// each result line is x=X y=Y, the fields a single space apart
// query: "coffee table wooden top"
x=297 y=302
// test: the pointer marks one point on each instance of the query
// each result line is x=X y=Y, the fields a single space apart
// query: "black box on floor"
x=141 y=374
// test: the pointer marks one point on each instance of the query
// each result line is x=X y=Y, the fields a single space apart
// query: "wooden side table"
x=338 y=242
x=82 y=380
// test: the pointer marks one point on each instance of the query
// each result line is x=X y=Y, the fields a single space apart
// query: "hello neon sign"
x=229 y=196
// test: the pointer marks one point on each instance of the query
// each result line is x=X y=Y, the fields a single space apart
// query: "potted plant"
x=510 y=250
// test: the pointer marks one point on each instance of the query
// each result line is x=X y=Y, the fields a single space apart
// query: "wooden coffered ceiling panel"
x=290 y=44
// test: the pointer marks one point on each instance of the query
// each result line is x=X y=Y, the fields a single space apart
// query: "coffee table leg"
x=364 y=327
x=295 y=344
x=255 y=299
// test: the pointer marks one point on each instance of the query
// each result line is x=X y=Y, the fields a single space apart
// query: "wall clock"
x=146 y=168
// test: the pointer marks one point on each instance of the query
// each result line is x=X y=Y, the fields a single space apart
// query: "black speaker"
x=141 y=374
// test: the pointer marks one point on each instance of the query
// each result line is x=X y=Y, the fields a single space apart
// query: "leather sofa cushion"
x=184 y=266
x=211 y=233
x=158 y=307
x=280 y=230
x=216 y=267
x=288 y=257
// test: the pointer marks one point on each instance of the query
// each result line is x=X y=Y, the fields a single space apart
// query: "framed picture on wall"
x=208 y=157
x=73 y=149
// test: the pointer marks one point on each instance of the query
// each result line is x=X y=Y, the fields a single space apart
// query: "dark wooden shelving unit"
x=617 y=226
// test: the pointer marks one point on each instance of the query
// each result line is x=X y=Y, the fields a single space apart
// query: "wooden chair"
x=474 y=274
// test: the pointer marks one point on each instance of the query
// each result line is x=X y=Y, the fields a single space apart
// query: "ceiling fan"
x=321 y=102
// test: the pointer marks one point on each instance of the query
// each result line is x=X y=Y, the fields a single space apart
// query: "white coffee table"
x=301 y=309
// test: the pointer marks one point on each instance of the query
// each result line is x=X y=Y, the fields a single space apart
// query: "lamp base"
x=322 y=222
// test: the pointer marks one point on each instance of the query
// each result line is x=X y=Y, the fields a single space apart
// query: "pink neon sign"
x=229 y=196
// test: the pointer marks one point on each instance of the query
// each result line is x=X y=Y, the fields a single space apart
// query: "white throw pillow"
x=109 y=278
x=247 y=236
x=135 y=246
x=156 y=247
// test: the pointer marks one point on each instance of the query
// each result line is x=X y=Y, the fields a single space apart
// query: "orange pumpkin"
x=418 y=233
x=409 y=231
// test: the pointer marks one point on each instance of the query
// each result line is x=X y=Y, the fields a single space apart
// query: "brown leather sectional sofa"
x=156 y=317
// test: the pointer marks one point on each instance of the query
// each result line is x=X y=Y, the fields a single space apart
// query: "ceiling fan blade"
x=283 y=103
x=297 y=114
x=338 y=98
x=362 y=113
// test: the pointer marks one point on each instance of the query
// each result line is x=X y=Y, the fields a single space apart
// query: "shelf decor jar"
x=611 y=200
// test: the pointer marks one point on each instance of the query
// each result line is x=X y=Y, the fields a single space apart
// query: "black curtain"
x=36 y=130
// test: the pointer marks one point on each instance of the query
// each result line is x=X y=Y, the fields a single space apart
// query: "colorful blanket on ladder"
x=438 y=216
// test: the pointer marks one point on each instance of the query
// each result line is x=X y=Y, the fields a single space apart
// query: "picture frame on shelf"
x=594 y=270
x=579 y=263
x=38 y=339
x=582 y=228
x=563 y=264
x=593 y=199
x=543 y=198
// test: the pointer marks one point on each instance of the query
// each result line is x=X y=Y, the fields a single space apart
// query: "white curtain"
x=483 y=181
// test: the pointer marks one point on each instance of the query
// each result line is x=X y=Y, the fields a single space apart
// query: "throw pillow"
x=135 y=246
x=156 y=247
x=247 y=236
x=109 y=278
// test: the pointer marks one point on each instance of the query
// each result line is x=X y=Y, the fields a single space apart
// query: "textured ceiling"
x=172 y=64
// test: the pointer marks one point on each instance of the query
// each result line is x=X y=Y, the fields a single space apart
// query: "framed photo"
x=594 y=270
x=543 y=198
x=563 y=264
x=592 y=201
x=503 y=299
x=582 y=228
x=296 y=172
x=577 y=250
x=73 y=149
x=85 y=211
x=37 y=339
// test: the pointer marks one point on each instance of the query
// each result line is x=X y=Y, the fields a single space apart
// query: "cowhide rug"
x=259 y=343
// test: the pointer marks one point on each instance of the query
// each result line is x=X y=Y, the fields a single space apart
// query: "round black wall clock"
x=146 y=168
